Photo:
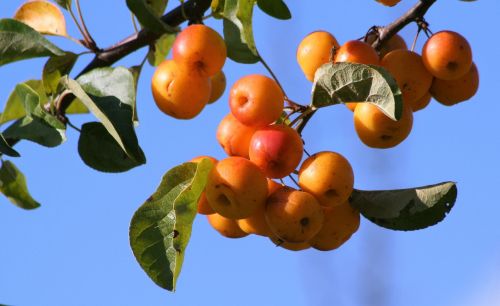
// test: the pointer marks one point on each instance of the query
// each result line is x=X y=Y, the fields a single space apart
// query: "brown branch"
x=414 y=14
x=193 y=9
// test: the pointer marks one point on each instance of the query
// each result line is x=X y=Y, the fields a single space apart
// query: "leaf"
x=37 y=125
x=14 y=108
x=6 y=149
x=108 y=81
x=99 y=150
x=37 y=130
x=349 y=82
x=406 y=209
x=136 y=73
x=13 y=186
x=160 y=49
x=65 y=4
x=275 y=8
x=238 y=32
x=161 y=228
x=157 y=6
x=43 y=16
x=19 y=41
x=109 y=95
x=148 y=17
x=55 y=68
x=217 y=7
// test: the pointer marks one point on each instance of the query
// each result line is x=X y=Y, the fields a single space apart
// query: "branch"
x=106 y=57
x=416 y=13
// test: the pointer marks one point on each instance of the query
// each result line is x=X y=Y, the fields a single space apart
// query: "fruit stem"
x=414 y=14
x=144 y=37
x=90 y=42
x=294 y=106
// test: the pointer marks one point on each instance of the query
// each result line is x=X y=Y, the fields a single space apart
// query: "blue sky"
x=74 y=250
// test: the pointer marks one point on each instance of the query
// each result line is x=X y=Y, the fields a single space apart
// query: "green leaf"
x=238 y=32
x=109 y=95
x=6 y=149
x=275 y=8
x=19 y=41
x=99 y=150
x=55 y=68
x=148 y=17
x=349 y=82
x=14 y=108
x=37 y=130
x=161 y=48
x=406 y=209
x=38 y=125
x=161 y=228
x=217 y=7
x=136 y=73
x=157 y=6
x=65 y=4
x=118 y=82
x=13 y=186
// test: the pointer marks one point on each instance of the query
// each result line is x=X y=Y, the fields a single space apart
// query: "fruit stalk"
x=416 y=13
x=114 y=53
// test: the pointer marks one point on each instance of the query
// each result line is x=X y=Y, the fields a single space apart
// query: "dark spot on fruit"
x=386 y=137
x=304 y=221
x=331 y=193
x=242 y=100
x=452 y=66
x=223 y=200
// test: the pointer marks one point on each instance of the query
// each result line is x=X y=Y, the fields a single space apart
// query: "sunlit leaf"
x=136 y=73
x=43 y=16
x=161 y=228
x=13 y=186
x=275 y=8
x=238 y=32
x=349 y=82
x=406 y=209
x=109 y=94
x=160 y=49
x=217 y=7
x=37 y=125
x=19 y=41
x=99 y=150
x=55 y=68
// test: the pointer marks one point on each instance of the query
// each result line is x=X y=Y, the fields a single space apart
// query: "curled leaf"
x=161 y=228
x=406 y=209
x=13 y=186
x=350 y=82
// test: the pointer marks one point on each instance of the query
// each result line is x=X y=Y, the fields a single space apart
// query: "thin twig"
x=73 y=126
x=86 y=34
x=261 y=59
x=72 y=14
x=413 y=14
x=136 y=28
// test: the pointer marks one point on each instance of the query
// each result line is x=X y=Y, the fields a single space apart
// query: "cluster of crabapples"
x=241 y=197
x=193 y=78
x=444 y=71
